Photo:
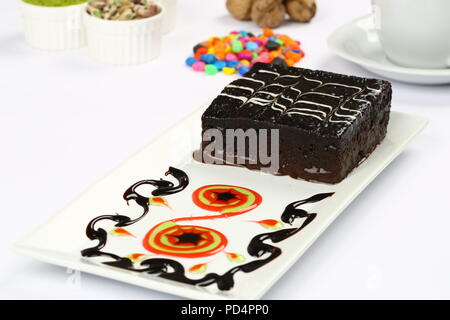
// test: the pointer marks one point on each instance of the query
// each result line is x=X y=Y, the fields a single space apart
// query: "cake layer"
x=328 y=123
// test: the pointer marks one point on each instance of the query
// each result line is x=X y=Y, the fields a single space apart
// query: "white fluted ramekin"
x=124 y=42
x=170 y=15
x=54 y=28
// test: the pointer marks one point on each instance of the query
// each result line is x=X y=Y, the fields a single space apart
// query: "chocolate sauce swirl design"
x=173 y=270
x=300 y=95
x=162 y=188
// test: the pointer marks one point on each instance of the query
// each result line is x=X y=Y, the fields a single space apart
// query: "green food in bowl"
x=54 y=3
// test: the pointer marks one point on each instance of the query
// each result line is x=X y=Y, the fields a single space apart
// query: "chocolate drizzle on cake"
x=285 y=94
x=273 y=93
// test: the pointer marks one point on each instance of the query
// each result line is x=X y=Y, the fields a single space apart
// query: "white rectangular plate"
x=62 y=237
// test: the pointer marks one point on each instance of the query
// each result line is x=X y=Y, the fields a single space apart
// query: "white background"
x=65 y=121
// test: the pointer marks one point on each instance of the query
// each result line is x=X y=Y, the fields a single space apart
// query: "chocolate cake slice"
x=327 y=123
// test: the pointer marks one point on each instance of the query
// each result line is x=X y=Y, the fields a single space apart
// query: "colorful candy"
x=239 y=50
x=190 y=61
x=220 y=65
x=243 y=70
x=199 y=66
x=251 y=45
x=232 y=63
x=230 y=57
x=211 y=69
x=208 y=58
x=237 y=46
x=228 y=70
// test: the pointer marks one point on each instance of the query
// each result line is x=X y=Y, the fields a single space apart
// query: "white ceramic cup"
x=414 y=33
x=124 y=42
x=53 y=28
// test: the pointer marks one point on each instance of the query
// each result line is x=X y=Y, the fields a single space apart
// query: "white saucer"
x=358 y=42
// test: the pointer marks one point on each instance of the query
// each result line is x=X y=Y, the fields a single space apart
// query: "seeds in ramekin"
x=122 y=9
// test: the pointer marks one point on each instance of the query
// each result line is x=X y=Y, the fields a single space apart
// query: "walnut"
x=240 y=9
x=271 y=13
x=301 y=10
x=268 y=13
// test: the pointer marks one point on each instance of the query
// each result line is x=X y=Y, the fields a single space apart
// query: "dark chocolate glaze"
x=162 y=188
x=276 y=95
x=173 y=270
